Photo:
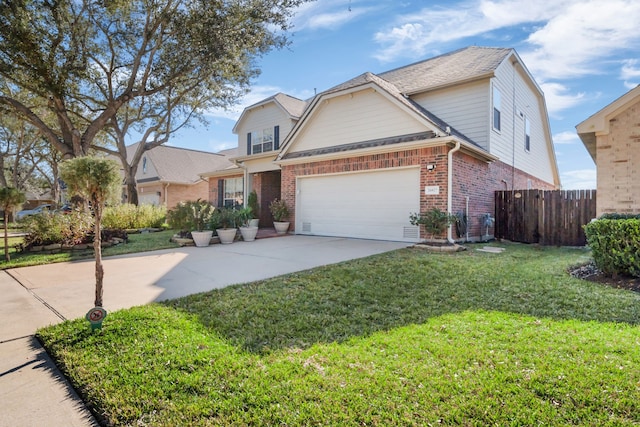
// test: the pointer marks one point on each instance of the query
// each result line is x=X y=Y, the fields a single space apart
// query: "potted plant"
x=225 y=221
x=279 y=211
x=252 y=203
x=192 y=218
x=247 y=230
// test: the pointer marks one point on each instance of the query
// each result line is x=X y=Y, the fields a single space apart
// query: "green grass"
x=137 y=243
x=405 y=338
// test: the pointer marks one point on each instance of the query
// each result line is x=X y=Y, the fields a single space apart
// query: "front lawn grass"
x=138 y=242
x=404 y=338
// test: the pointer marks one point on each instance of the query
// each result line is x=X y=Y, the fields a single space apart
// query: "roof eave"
x=468 y=148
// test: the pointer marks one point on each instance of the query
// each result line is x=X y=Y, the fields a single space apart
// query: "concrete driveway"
x=34 y=393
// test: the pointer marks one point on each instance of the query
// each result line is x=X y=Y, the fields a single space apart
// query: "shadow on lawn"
x=357 y=298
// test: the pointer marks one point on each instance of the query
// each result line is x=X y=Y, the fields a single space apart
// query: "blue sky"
x=583 y=54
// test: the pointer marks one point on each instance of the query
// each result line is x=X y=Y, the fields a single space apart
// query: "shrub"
x=434 y=221
x=47 y=228
x=252 y=202
x=279 y=210
x=615 y=245
x=225 y=218
x=129 y=216
x=193 y=215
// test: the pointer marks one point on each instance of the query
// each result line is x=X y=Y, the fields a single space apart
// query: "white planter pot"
x=281 y=226
x=254 y=222
x=202 y=238
x=226 y=235
x=249 y=233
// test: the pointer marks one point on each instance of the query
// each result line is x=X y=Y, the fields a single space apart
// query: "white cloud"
x=257 y=94
x=569 y=38
x=630 y=73
x=580 y=39
x=327 y=15
x=414 y=35
x=558 y=98
x=581 y=179
x=566 y=137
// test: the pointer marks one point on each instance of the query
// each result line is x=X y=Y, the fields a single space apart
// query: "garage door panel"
x=372 y=205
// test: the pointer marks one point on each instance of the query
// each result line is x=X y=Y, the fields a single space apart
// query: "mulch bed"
x=592 y=273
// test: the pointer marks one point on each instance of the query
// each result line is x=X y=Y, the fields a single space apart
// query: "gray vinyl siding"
x=519 y=100
x=465 y=107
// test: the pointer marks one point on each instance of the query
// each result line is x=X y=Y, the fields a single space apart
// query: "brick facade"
x=473 y=178
x=618 y=164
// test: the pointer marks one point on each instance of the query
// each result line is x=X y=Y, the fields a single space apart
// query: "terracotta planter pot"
x=202 y=238
x=226 y=235
x=249 y=233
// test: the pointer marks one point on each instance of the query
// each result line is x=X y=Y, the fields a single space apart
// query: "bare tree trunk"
x=97 y=247
x=7 y=257
x=132 y=194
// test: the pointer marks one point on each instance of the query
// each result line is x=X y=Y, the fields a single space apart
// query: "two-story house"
x=446 y=132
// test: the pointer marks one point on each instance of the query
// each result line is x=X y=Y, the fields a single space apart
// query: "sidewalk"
x=32 y=390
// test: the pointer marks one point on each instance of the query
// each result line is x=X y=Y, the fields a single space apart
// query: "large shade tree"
x=89 y=58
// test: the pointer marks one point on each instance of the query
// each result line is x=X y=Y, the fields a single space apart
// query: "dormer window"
x=263 y=141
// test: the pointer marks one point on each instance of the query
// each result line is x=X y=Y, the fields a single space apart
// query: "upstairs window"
x=527 y=134
x=497 y=108
x=263 y=141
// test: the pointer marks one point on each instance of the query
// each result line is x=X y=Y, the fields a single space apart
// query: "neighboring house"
x=612 y=137
x=446 y=132
x=168 y=175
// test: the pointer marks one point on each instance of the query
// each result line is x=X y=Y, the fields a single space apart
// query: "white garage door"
x=369 y=205
x=149 y=199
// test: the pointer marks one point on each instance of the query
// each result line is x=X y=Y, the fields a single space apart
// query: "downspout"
x=166 y=195
x=450 y=187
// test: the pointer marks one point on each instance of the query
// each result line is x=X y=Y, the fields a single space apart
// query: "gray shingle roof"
x=293 y=106
x=182 y=165
x=444 y=70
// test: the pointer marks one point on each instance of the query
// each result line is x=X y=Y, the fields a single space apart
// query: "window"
x=496 y=108
x=233 y=193
x=144 y=165
x=262 y=141
x=527 y=134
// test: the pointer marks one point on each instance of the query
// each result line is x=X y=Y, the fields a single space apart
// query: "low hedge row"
x=615 y=244
x=76 y=227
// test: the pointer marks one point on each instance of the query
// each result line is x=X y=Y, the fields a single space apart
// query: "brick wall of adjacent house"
x=472 y=177
x=181 y=193
x=171 y=195
x=619 y=164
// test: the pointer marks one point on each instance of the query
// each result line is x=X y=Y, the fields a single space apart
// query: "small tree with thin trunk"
x=10 y=199
x=97 y=181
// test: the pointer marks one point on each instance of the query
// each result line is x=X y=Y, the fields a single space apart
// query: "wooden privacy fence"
x=548 y=217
